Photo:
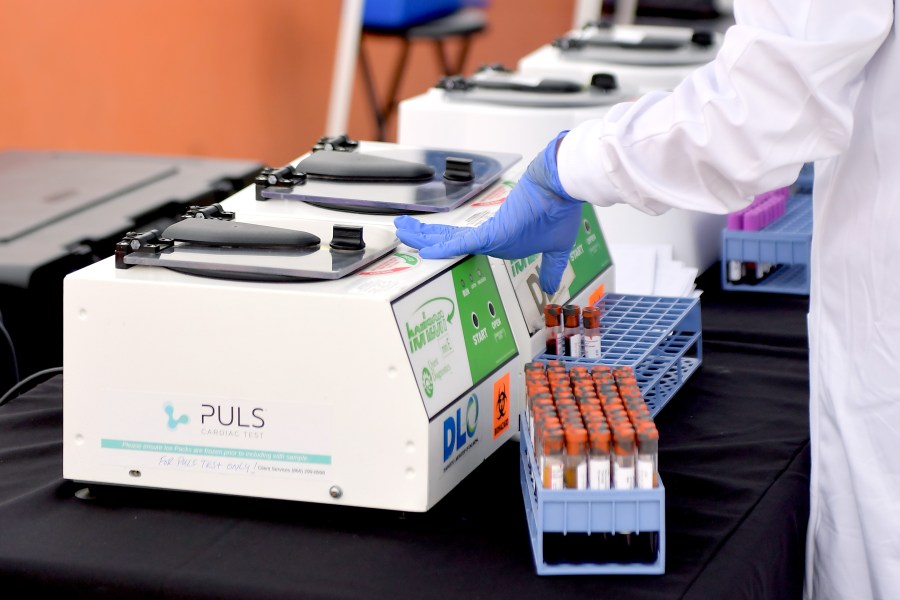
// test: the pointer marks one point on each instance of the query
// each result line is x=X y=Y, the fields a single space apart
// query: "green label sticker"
x=433 y=319
x=486 y=331
x=590 y=254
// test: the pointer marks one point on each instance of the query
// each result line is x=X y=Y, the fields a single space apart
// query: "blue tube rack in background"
x=660 y=338
x=786 y=242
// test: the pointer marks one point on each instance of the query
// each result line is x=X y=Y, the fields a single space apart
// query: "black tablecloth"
x=734 y=458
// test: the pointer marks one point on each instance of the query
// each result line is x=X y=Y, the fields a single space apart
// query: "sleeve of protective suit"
x=778 y=94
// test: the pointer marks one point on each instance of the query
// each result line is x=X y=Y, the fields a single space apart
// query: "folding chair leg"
x=391 y=103
x=444 y=63
x=463 y=54
x=372 y=93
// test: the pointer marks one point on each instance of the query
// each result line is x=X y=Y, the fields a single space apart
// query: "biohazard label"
x=501 y=405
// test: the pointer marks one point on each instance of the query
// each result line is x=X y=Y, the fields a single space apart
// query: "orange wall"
x=227 y=78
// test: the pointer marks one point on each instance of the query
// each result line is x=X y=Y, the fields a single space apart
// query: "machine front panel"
x=456 y=331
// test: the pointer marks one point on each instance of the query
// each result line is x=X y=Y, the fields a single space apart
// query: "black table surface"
x=734 y=456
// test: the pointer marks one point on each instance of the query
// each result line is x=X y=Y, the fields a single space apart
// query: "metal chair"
x=462 y=24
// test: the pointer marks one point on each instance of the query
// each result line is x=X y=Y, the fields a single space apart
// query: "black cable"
x=12 y=352
x=14 y=389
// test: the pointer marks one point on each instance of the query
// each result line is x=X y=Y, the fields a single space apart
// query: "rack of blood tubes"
x=592 y=435
x=590 y=427
x=766 y=246
x=765 y=209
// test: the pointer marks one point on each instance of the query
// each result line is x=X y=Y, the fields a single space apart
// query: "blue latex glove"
x=538 y=216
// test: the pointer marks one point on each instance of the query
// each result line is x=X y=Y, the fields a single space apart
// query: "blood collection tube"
x=647 y=456
x=598 y=463
x=639 y=413
x=606 y=387
x=553 y=328
x=623 y=457
x=736 y=271
x=615 y=411
x=541 y=408
x=601 y=372
x=578 y=371
x=565 y=398
x=558 y=379
x=534 y=383
x=547 y=425
x=631 y=394
x=557 y=373
x=590 y=317
x=592 y=412
x=569 y=415
x=537 y=402
x=585 y=395
x=623 y=372
x=553 y=465
x=576 y=458
x=572 y=330
x=536 y=366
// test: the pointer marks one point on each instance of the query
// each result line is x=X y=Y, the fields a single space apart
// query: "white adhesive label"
x=623 y=477
x=574 y=348
x=560 y=343
x=735 y=270
x=592 y=346
x=645 y=472
x=556 y=474
x=599 y=474
x=581 y=476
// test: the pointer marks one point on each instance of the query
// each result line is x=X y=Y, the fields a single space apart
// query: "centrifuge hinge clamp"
x=213 y=211
x=285 y=178
x=338 y=143
x=147 y=242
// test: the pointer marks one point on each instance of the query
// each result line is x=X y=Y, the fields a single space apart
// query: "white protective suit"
x=797 y=81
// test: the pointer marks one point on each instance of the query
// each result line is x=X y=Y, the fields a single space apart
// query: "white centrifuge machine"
x=284 y=344
x=580 y=77
x=644 y=58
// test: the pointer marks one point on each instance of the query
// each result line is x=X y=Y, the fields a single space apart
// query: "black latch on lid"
x=213 y=211
x=347 y=237
x=604 y=81
x=458 y=170
x=704 y=39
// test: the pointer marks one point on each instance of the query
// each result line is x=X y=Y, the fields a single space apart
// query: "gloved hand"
x=538 y=216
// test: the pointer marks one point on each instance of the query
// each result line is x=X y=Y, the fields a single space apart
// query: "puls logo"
x=231 y=416
x=174 y=422
x=458 y=432
x=220 y=416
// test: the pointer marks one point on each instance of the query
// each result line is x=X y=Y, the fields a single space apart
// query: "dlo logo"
x=456 y=433
x=173 y=422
